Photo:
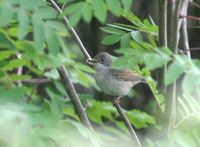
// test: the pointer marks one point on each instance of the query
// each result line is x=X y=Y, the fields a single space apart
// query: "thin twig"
x=190 y=17
x=194 y=4
x=184 y=29
x=163 y=23
x=38 y=81
x=193 y=49
x=83 y=49
x=126 y=121
x=19 y=69
x=163 y=38
x=80 y=110
x=174 y=23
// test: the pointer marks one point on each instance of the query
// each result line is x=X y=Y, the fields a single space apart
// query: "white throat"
x=100 y=67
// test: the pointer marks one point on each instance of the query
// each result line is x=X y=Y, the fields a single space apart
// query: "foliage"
x=34 y=43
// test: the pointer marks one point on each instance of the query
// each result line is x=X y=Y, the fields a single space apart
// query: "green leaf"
x=16 y=77
x=184 y=139
x=136 y=35
x=38 y=33
x=174 y=71
x=127 y=4
x=58 y=26
x=112 y=30
x=5 y=54
x=99 y=10
x=114 y=6
x=87 y=12
x=30 y=4
x=6 y=13
x=56 y=104
x=60 y=87
x=23 y=23
x=153 y=60
x=15 y=64
x=73 y=8
x=53 y=74
x=75 y=18
x=111 y=39
x=140 y=119
x=28 y=49
x=47 y=12
x=47 y=61
x=125 y=41
x=14 y=94
x=6 y=42
x=52 y=40
x=191 y=81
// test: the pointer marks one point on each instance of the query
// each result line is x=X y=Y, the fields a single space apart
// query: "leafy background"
x=35 y=109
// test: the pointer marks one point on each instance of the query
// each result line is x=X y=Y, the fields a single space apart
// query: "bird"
x=114 y=82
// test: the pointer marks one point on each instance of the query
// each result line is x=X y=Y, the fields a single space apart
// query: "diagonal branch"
x=80 y=110
x=78 y=40
x=162 y=38
x=184 y=31
x=126 y=121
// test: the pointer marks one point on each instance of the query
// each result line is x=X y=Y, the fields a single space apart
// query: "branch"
x=163 y=23
x=194 y=4
x=184 y=29
x=162 y=38
x=36 y=81
x=80 y=110
x=126 y=121
x=190 y=17
x=19 y=69
x=81 y=46
x=174 y=23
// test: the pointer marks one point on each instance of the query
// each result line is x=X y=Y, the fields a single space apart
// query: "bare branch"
x=19 y=69
x=194 y=4
x=162 y=38
x=174 y=23
x=126 y=121
x=38 y=81
x=163 y=23
x=83 y=49
x=184 y=29
x=190 y=17
x=80 y=110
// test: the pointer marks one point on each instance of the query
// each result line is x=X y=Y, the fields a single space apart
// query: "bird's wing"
x=126 y=75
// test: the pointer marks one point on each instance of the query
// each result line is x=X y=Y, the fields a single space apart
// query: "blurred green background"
x=35 y=109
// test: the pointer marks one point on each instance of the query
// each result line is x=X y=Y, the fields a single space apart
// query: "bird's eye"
x=102 y=60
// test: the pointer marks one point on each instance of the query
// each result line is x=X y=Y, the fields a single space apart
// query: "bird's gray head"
x=103 y=58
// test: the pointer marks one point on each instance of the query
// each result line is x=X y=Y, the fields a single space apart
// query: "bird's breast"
x=110 y=85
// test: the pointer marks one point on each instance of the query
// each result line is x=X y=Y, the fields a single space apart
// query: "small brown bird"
x=114 y=82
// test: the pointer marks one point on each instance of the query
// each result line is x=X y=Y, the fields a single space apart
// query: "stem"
x=80 y=110
x=174 y=23
x=190 y=17
x=126 y=121
x=163 y=23
x=172 y=113
x=184 y=30
x=78 y=40
x=162 y=38
x=194 y=4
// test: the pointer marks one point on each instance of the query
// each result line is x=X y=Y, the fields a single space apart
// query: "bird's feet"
x=116 y=101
